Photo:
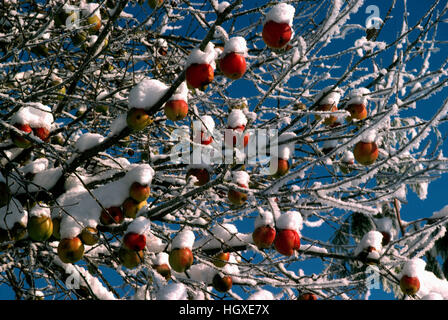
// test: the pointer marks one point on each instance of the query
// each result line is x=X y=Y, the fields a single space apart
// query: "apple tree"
x=174 y=149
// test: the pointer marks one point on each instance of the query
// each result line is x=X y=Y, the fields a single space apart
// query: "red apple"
x=282 y=168
x=365 y=152
x=89 y=236
x=386 y=238
x=222 y=284
x=181 y=259
x=221 y=259
x=139 y=192
x=206 y=141
x=176 y=109
x=164 y=270
x=154 y=4
x=137 y=119
x=276 y=35
x=19 y=141
x=263 y=237
x=134 y=241
x=237 y=132
x=95 y=23
x=286 y=241
x=308 y=296
x=130 y=258
x=357 y=111
x=199 y=75
x=409 y=285
x=132 y=207
x=237 y=197
x=40 y=228
x=233 y=65
x=42 y=133
x=111 y=215
x=201 y=174
x=331 y=121
x=70 y=250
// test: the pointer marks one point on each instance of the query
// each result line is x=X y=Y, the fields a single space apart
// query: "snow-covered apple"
x=130 y=258
x=205 y=140
x=42 y=133
x=357 y=111
x=365 y=152
x=18 y=140
x=221 y=259
x=264 y=236
x=236 y=134
x=137 y=119
x=111 y=215
x=276 y=35
x=286 y=241
x=237 y=197
x=181 y=259
x=282 y=167
x=95 y=23
x=40 y=228
x=89 y=236
x=134 y=241
x=164 y=270
x=307 y=296
x=132 y=207
x=176 y=110
x=222 y=284
x=233 y=65
x=199 y=75
x=409 y=285
x=139 y=192
x=70 y=250
x=201 y=174
x=328 y=120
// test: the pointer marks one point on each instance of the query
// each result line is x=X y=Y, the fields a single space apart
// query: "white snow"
x=184 y=239
x=370 y=239
x=261 y=295
x=237 y=45
x=173 y=291
x=281 y=13
x=160 y=259
x=329 y=96
x=140 y=225
x=348 y=157
x=224 y=232
x=181 y=93
x=236 y=119
x=36 y=116
x=358 y=96
x=369 y=136
x=290 y=220
x=146 y=93
x=87 y=141
x=208 y=56
x=11 y=214
x=118 y=124
x=223 y=6
x=413 y=268
x=40 y=211
x=264 y=218
x=89 y=9
x=285 y=150
x=441 y=213
x=432 y=296
x=85 y=211
x=241 y=178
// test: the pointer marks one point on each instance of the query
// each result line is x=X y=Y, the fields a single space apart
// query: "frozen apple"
x=137 y=119
x=20 y=141
x=130 y=258
x=111 y=215
x=199 y=75
x=282 y=167
x=132 y=207
x=42 y=133
x=134 y=241
x=357 y=111
x=307 y=296
x=365 y=153
x=286 y=241
x=221 y=259
x=176 y=110
x=264 y=237
x=70 y=250
x=201 y=174
x=222 y=284
x=139 y=192
x=409 y=285
x=181 y=259
x=276 y=35
x=233 y=65
x=40 y=228
x=237 y=197
x=164 y=270
x=89 y=236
